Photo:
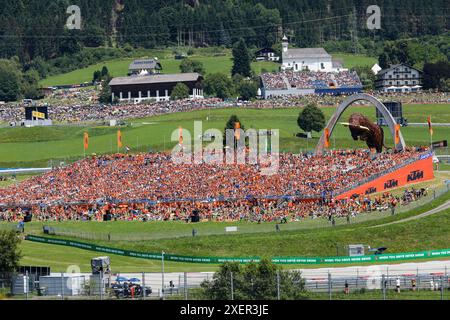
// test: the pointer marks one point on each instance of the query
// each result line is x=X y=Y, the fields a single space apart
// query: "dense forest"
x=36 y=28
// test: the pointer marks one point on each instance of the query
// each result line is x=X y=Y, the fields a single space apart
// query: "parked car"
x=128 y=290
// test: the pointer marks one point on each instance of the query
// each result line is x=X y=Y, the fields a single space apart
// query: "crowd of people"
x=13 y=114
x=102 y=112
x=72 y=96
x=250 y=210
x=310 y=80
x=122 y=183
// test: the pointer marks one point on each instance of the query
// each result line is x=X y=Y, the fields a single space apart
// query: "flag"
x=397 y=134
x=430 y=126
x=237 y=132
x=327 y=138
x=119 y=139
x=180 y=139
x=86 y=141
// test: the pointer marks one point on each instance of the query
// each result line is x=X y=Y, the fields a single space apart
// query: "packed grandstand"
x=153 y=187
x=91 y=112
x=310 y=80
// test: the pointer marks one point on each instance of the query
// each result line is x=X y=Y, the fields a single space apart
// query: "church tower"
x=285 y=44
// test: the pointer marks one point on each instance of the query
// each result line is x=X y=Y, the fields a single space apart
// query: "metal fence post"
x=442 y=288
x=162 y=275
x=278 y=285
x=418 y=280
x=357 y=278
x=26 y=285
x=62 y=286
x=383 y=286
x=185 y=287
x=144 y=294
x=329 y=285
x=232 y=289
x=388 y=279
x=101 y=285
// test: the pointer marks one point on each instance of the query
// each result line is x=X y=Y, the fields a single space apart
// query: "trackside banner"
x=141 y=255
x=419 y=171
x=218 y=260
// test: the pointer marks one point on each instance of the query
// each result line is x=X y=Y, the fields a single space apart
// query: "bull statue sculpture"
x=364 y=129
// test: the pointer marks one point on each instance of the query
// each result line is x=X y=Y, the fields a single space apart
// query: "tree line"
x=31 y=29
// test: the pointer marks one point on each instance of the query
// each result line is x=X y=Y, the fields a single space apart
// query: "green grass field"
x=119 y=68
x=37 y=146
x=212 y=64
x=355 y=60
x=253 y=240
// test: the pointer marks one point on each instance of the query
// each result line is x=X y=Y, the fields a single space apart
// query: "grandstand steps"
x=286 y=81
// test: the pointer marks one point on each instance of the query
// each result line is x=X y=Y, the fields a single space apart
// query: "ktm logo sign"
x=371 y=190
x=390 y=184
x=415 y=175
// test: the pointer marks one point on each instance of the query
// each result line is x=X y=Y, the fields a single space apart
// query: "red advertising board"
x=419 y=171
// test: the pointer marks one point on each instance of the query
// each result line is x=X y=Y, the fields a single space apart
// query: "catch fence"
x=364 y=283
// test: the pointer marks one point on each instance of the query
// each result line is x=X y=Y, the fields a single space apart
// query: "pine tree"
x=106 y=93
x=181 y=91
x=241 y=59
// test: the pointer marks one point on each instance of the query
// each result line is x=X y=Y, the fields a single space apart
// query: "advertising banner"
x=419 y=171
x=219 y=260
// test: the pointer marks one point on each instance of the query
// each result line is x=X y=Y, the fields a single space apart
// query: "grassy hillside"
x=355 y=60
x=119 y=68
x=36 y=146
x=212 y=64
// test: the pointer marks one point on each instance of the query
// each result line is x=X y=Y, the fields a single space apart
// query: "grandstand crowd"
x=153 y=187
x=92 y=112
x=310 y=80
x=100 y=112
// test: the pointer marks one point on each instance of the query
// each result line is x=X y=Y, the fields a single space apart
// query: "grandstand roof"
x=155 y=78
x=144 y=64
x=306 y=53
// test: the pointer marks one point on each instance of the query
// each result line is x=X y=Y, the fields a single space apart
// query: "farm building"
x=399 y=78
x=267 y=54
x=144 y=66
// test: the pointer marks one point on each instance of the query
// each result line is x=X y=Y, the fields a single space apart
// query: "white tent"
x=376 y=68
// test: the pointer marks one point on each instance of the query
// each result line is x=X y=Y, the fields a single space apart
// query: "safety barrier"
x=218 y=260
